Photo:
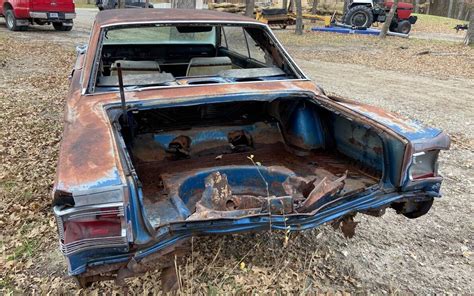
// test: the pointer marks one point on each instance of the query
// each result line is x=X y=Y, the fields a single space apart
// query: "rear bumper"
x=52 y=16
x=96 y=260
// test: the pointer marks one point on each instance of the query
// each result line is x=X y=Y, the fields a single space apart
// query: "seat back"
x=135 y=67
x=208 y=66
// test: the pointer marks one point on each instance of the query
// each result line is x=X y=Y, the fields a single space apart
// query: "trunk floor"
x=318 y=164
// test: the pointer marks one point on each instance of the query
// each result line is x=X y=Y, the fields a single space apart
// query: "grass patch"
x=436 y=24
x=440 y=20
x=26 y=249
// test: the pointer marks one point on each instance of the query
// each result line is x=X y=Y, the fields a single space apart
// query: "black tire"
x=404 y=27
x=10 y=21
x=393 y=27
x=62 y=27
x=413 y=210
x=359 y=16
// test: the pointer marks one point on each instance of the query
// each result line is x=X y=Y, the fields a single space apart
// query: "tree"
x=291 y=6
x=388 y=21
x=461 y=10
x=450 y=8
x=417 y=6
x=314 y=8
x=249 y=7
x=299 y=18
x=191 y=4
x=346 y=5
x=469 y=40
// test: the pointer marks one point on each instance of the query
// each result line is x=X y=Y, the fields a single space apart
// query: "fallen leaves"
x=448 y=59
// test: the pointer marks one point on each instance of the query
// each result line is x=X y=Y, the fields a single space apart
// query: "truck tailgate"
x=52 y=5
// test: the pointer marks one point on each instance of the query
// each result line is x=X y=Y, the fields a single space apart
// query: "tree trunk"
x=461 y=10
x=417 y=6
x=249 y=7
x=387 y=23
x=314 y=8
x=469 y=40
x=450 y=9
x=346 y=6
x=291 y=6
x=121 y=4
x=191 y=4
x=285 y=4
x=299 y=18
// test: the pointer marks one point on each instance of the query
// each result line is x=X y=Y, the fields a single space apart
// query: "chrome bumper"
x=45 y=15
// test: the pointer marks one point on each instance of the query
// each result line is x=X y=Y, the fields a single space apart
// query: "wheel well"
x=7 y=6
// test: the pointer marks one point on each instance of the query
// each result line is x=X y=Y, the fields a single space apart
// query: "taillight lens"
x=97 y=227
x=91 y=227
x=424 y=165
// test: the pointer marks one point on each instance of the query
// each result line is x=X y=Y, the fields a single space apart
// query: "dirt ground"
x=388 y=255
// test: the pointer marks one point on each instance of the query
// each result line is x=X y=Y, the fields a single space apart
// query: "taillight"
x=91 y=227
x=424 y=165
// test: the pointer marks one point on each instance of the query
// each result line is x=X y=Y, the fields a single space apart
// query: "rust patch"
x=322 y=189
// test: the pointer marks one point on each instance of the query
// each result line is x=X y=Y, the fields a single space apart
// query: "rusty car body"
x=205 y=138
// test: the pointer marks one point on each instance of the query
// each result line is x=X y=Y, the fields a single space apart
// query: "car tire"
x=10 y=21
x=404 y=27
x=413 y=209
x=62 y=27
x=359 y=16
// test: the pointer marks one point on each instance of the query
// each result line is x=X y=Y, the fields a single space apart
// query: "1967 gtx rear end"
x=183 y=123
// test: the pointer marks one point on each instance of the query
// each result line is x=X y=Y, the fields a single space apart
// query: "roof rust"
x=119 y=16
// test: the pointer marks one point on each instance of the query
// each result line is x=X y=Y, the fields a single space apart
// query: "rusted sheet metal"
x=322 y=189
x=89 y=157
x=119 y=16
x=408 y=128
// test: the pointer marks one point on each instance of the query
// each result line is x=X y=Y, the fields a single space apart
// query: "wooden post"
x=388 y=21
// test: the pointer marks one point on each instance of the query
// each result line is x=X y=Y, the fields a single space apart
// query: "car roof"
x=145 y=15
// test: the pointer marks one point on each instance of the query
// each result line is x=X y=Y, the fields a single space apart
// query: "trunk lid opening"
x=230 y=160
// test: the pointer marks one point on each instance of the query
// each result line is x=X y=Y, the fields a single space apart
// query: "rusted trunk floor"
x=319 y=164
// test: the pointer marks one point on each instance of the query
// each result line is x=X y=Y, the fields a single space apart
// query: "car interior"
x=156 y=56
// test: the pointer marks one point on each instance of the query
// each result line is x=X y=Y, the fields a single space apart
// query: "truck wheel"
x=404 y=27
x=62 y=27
x=11 y=22
x=359 y=16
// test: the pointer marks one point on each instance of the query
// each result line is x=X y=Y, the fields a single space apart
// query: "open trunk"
x=229 y=160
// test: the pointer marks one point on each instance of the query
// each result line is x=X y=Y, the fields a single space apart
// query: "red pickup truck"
x=19 y=14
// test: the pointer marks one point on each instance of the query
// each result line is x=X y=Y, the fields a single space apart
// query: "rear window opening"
x=230 y=160
x=233 y=52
